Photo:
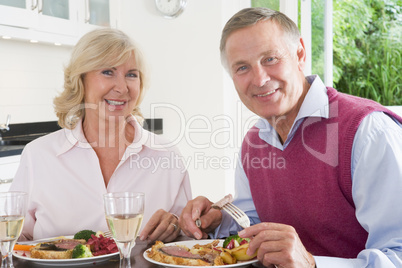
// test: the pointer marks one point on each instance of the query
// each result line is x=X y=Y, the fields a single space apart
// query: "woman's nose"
x=260 y=76
x=120 y=84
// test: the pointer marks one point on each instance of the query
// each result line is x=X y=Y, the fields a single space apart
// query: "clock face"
x=170 y=8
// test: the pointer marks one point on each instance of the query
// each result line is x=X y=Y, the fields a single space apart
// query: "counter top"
x=24 y=133
x=10 y=150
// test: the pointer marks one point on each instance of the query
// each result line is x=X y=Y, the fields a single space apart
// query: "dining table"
x=137 y=258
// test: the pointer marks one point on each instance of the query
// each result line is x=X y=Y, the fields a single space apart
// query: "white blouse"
x=62 y=175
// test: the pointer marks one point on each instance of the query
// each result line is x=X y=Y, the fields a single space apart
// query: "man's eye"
x=241 y=68
x=271 y=60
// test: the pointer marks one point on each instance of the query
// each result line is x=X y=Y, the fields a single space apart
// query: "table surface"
x=137 y=259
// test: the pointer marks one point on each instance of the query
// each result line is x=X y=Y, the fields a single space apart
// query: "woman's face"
x=112 y=92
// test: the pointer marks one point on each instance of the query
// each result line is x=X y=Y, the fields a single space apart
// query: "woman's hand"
x=277 y=244
x=199 y=209
x=163 y=226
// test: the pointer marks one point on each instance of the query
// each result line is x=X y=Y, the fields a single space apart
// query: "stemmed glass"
x=124 y=212
x=12 y=214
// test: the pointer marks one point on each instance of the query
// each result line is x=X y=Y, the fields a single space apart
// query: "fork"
x=236 y=213
x=108 y=234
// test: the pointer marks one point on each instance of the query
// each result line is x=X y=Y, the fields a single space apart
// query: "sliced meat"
x=227 y=199
x=45 y=246
x=176 y=251
x=67 y=244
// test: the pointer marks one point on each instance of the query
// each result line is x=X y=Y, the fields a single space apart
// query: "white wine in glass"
x=12 y=215
x=124 y=212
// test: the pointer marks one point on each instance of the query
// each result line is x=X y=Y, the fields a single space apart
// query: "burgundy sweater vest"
x=309 y=184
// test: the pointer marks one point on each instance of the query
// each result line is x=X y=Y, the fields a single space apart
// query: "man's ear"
x=301 y=54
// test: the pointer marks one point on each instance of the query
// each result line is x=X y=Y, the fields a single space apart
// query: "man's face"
x=268 y=76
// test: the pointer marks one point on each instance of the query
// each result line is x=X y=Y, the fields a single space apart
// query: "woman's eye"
x=134 y=75
x=107 y=72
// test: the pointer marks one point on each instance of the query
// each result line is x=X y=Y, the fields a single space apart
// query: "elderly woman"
x=101 y=148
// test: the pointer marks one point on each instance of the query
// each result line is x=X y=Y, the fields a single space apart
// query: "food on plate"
x=221 y=203
x=81 y=251
x=234 y=241
x=237 y=247
x=84 y=234
x=59 y=249
x=202 y=255
x=101 y=245
x=23 y=247
x=239 y=253
x=182 y=255
x=64 y=248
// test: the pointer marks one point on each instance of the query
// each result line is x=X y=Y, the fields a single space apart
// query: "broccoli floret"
x=81 y=251
x=235 y=238
x=84 y=234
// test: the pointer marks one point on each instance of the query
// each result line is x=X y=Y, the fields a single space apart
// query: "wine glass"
x=124 y=212
x=12 y=214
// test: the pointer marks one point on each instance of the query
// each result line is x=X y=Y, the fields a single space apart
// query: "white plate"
x=63 y=262
x=190 y=244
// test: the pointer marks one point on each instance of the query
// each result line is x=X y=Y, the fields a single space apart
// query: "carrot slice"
x=23 y=247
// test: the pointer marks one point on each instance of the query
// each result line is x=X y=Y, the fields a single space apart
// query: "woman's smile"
x=116 y=104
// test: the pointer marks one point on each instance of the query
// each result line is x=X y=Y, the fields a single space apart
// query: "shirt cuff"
x=332 y=262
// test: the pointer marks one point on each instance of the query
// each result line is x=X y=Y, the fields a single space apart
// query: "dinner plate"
x=190 y=244
x=25 y=255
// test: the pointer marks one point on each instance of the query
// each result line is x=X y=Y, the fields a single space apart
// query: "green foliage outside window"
x=272 y=4
x=367 y=45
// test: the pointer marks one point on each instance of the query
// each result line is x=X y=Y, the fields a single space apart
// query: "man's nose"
x=260 y=76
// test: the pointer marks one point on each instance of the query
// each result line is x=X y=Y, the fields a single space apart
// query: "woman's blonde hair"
x=98 y=49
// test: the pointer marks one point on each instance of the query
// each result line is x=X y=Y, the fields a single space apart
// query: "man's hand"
x=199 y=208
x=277 y=244
x=163 y=226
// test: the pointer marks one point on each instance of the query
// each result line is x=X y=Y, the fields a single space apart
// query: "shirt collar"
x=75 y=138
x=315 y=104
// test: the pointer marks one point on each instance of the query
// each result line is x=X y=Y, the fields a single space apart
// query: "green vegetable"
x=81 y=251
x=84 y=234
x=234 y=237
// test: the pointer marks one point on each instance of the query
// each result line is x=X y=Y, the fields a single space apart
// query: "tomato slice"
x=231 y=244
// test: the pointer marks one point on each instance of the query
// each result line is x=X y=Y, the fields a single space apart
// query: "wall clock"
x=171 y=8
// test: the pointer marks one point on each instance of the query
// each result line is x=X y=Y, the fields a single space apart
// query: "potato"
x=240 y=253
x=227 y=257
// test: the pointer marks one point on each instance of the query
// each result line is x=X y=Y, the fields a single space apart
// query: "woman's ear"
x=301 y=54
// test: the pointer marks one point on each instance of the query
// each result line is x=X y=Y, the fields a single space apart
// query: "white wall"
x=30 y=77
x=189 y=89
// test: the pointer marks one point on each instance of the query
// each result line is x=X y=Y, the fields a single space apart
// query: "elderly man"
x=335 y=199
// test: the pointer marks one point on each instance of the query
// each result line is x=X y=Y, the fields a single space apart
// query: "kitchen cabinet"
x=8 y=169
x=97 y=13
x=55 y=21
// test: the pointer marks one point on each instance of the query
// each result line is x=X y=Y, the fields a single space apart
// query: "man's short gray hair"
x=250 y=16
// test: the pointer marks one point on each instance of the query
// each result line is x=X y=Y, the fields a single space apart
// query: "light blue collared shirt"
x=376 y=182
